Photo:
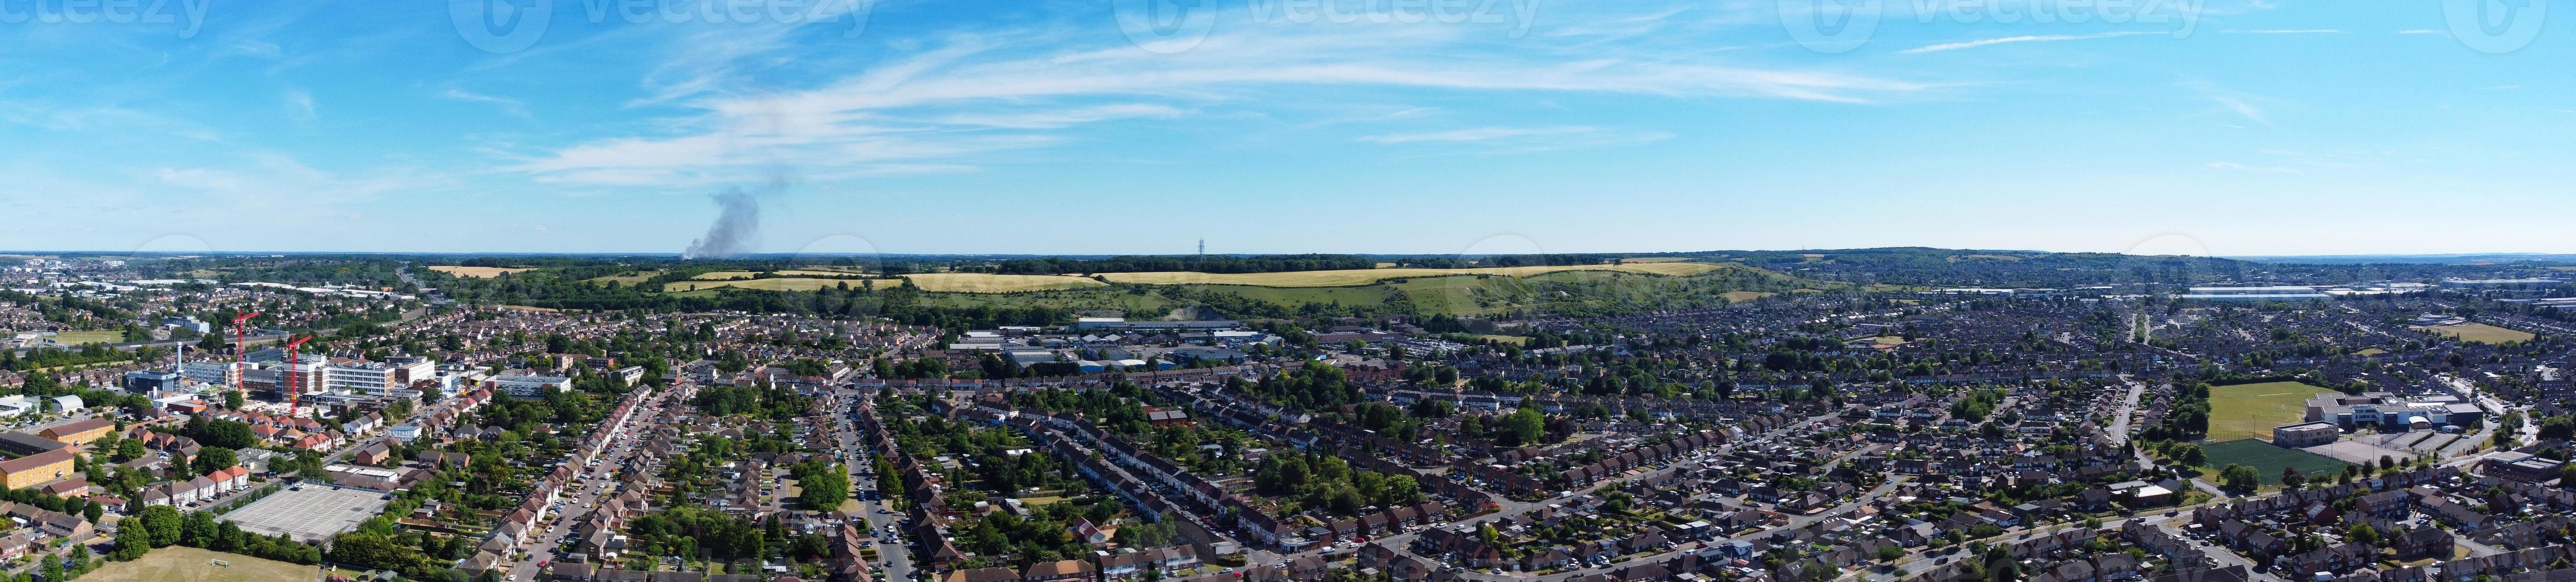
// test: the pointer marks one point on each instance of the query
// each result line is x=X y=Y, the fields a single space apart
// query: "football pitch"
x=2268 y=460
x=2251 y=410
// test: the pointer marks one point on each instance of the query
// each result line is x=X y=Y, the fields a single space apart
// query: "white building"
x=216 y=373
x=368 y=378
x=529 y=386
x=2277 y=293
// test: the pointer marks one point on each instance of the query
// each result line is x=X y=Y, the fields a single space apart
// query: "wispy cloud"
x=1522 y=139
x=2243 y=167
x=1477 y=135
x=2018 y=39
x=511 y=106
x=2242 y=104
x=300 y=103
x=945 y=101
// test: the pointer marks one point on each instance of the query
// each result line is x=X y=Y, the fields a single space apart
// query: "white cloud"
x=1476 y=135
x=2243 y=167
x=300 y=103
x=2018 y=39
x=511 y=106
x=942 y=101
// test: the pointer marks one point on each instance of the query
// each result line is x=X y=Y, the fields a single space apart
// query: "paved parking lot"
x=314 y=514
x=2366 y=450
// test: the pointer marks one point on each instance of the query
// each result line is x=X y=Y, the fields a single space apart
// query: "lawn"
x=1356 y=277
x=2251 y=410
x=1743 y=296
x=2267 y=460
x=2479 y=333
x=478 y=272
x=1509 y=339
x=185 y=564
x=74 y=338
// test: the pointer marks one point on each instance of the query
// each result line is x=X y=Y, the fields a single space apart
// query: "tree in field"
x=133 y=538
x=2239 y=479
x=164 y=524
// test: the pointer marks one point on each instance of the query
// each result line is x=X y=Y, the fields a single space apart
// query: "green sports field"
x=2251 y=410
x=2268 y=460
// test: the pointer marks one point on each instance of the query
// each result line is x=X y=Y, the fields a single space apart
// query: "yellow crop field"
x=1346 y=278
x=991 y=283
x=478 y=272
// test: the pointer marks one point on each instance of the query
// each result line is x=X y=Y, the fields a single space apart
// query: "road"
x=892 y=552
x=2129 y=408
x=593 y=484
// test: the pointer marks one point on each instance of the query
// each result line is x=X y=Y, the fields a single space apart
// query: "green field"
x=185 y=564
x=2251 y=410
x=74 y=338
x=2479 y=333
x=2267 y=460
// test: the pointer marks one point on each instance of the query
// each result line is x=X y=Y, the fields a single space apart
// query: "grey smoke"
x=734 y=229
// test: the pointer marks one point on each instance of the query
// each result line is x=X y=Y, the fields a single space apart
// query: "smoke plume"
x=734 y=228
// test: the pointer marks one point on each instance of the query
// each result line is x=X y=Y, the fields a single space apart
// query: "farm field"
x=992 y=283
x=1356 y=277
x=2479 y=333
x=2268 y=460
x=2251 y=410
x=478 y=272
x=1743 y=296
x=186 y=564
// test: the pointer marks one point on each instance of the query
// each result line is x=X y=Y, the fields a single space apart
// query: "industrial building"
x=2387 y=411
x=2277 y=293
x=2306 y=434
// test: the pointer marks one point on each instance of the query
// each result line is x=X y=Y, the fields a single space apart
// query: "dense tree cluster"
x=1170 y=263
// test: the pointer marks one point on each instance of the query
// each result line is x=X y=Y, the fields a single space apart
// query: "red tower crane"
x=241 y=349
x=293 y=380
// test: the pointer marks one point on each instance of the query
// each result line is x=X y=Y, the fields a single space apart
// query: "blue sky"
x=2232 y=127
